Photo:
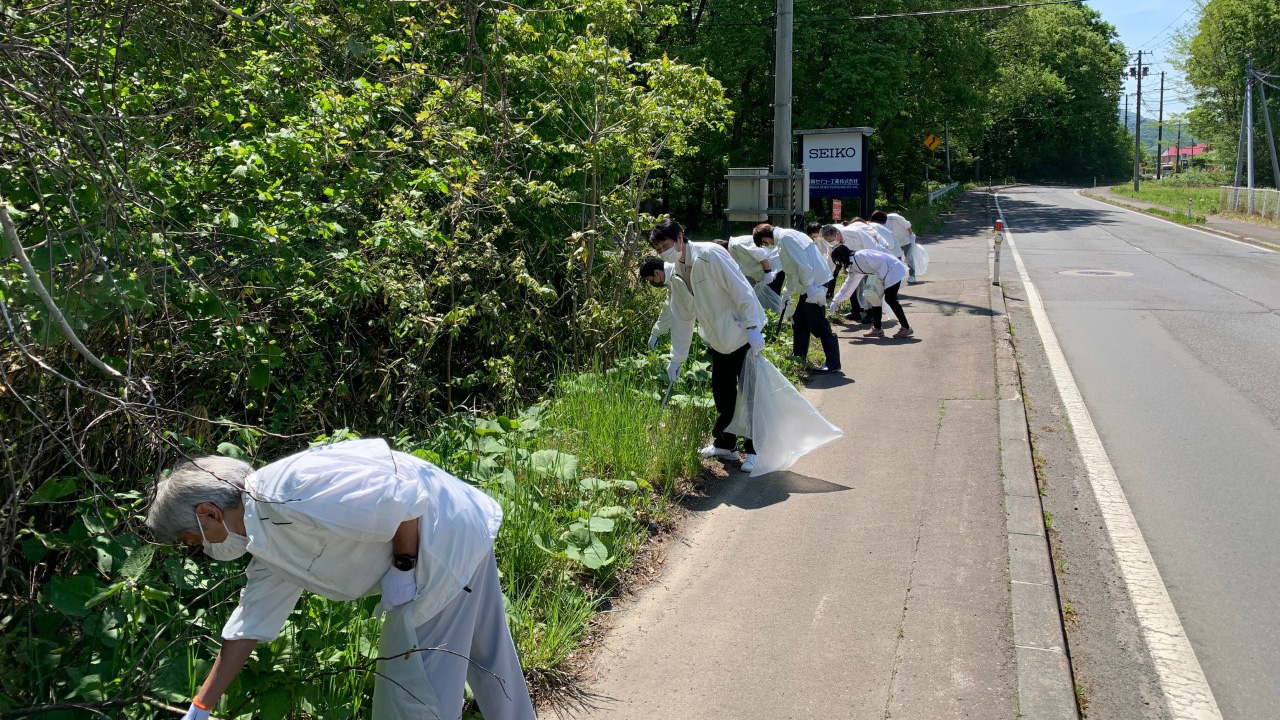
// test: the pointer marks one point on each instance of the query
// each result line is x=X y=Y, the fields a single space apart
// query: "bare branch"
x=49 y=304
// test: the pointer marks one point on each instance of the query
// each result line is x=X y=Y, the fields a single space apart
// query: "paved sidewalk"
x=1264 y=235
x=870 y=581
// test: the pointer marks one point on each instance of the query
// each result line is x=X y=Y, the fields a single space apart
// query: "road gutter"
x=1046 y=689
x=1186 y=690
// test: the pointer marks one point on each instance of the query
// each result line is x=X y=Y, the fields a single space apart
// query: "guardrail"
x=942 y=191
x=1258 y=201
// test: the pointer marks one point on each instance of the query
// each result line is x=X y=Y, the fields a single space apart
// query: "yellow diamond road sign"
x=932 y=142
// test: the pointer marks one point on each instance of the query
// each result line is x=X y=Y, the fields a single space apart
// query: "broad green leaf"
x=53 y=489
x=69 y=594
x=137 y=562
x=232 y=450
x=554 y=463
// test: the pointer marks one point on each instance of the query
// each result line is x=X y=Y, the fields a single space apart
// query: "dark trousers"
x=726 y=371
x=890 y=297
x=776 y=285
x=811 y=319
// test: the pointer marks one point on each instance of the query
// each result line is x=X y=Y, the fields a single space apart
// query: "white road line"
x=1186 y=691
x=1251 y=246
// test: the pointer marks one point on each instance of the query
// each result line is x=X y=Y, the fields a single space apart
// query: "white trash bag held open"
x=780 y=422
x=920 y=258
x=769 y=299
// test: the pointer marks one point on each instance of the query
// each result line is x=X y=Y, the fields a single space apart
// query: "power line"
x=767 y=22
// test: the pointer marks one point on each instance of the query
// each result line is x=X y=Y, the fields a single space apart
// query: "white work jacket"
x=870 y=262
x=824 y=249
x=743 y=249
x=859 y=236
x=663 y=323
x=708 y=287
x=901 y=229
x=887 y=236
x=801 y=261
x=322 y=520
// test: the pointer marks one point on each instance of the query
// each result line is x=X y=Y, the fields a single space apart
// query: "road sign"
x=932 y=142
x=836 y=207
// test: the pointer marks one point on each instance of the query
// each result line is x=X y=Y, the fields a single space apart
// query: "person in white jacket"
x=814 y=231
x=902 y=233
x=656 y=273
x=889 y=270
x=759 y=265
x=707 y=287
x=345 y=521
x=808 y=275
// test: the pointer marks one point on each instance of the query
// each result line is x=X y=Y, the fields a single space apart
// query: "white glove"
x=756 y=338
x=653 y=340
x=398 y=587
x=816 y=294
x=673 y=370
x=770 y=277
x=789 y=311
x=195 y=713
x=831 y=307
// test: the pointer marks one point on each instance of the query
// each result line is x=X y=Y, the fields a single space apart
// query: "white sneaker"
x=711 y=451
x=911 y=280
x=749 y=463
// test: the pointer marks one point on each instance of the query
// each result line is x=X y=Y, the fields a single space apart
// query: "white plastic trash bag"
x=401 y=690
x=769 y=299
x=873 y=290
x=920 y=258
x=780 y=422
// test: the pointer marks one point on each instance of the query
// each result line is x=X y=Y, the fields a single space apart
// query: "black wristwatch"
x=404 y=562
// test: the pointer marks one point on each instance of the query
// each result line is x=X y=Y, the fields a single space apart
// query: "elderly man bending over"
x=345 y=521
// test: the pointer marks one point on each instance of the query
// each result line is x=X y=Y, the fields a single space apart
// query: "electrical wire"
x=919 y=13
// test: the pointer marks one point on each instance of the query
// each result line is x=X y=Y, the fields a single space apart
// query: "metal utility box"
x=748 y=194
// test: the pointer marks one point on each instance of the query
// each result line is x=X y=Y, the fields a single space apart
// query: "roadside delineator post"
x=995 y=274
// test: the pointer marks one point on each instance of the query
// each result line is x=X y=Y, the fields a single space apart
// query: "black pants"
x=776 y=285
x=891 y=297
x=726 y=371
x=811 y=319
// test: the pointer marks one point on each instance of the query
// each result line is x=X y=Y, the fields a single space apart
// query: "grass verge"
x=1204 y=200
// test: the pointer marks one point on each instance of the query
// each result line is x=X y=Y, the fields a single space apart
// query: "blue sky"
x=1151 y=25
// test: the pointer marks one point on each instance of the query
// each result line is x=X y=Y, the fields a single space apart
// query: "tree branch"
x=12 y=235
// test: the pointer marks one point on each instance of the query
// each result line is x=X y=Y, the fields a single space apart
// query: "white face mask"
x=229 y=549
x=671 y=254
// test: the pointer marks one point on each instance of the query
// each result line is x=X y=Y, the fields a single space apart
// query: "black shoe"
x=824 y=370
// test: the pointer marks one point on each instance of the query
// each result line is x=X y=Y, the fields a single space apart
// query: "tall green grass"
x=1204 y=200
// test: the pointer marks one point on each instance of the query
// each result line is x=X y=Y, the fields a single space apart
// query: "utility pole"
x=946 y=134
x=1137 y=130
x=1248 y=123
x=782 y=109
x=1271 y=138
x=1177 y=153
x=1160 y=132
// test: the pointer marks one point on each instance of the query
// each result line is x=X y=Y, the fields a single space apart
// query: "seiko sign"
x=835 y=163
x=831 y=153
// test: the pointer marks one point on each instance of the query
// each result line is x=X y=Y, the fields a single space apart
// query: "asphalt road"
x=1178 y=360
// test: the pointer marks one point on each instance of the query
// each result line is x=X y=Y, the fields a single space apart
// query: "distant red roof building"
x=1186 y=151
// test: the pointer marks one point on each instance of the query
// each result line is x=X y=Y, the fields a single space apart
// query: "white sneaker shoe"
x=711 y=451
x=911 y=280
x=749 y=463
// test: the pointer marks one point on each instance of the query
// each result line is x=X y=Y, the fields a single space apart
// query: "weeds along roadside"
x=584 y=478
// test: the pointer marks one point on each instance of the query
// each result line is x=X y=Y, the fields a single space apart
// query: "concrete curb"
x=1203 y=227
x=1046 y=689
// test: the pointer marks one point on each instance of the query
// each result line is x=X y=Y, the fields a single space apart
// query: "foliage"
x=1052 y=113
x=583 y=478
x=1229 y=34
x=279 y=221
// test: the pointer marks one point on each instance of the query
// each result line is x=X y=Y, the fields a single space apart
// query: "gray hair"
x=831 y=231
x=210 y=478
